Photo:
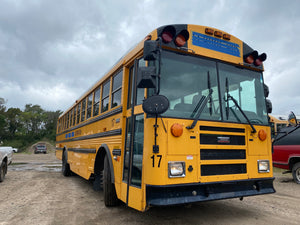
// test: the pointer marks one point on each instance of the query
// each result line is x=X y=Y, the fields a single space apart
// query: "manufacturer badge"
x=223 y=140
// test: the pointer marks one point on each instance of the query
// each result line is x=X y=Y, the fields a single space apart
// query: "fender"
x=99 y=162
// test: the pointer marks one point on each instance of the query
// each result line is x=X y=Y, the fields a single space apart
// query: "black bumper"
x=189 y=193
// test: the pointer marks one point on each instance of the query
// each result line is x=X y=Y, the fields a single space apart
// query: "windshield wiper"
x=229 y=97
x=201 y=104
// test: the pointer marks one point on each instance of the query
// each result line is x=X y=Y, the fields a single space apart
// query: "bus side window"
x=96 y=102
x=140 y=92
x=89 y=106
x=74 y=116
x=78 y=113
x=83 y=105
x=130 y=83
x=105 y=96
x=117 y=89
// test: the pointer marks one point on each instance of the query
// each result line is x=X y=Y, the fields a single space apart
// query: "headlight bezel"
x=263 y=166
x=172 y=165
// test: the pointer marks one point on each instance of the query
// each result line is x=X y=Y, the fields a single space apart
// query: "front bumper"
x=189 y=193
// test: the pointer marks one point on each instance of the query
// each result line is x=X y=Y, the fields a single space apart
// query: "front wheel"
x=109 y=191
x=3 y=170
x=296 y=172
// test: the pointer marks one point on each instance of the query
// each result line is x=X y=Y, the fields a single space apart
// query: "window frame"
x=114 y=91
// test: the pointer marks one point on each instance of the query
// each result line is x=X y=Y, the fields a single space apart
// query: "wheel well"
x=5 y=159
x=293 y=161
x=99 y=161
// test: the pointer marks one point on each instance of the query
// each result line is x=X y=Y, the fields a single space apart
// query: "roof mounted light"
x=251 y=57
x=182 y=38
x=260 y=59
x=168 y=34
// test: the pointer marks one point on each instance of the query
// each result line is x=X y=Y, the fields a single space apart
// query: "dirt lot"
x=35 y=192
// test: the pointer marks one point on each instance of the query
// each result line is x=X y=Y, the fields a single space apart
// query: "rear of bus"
x=214 y=141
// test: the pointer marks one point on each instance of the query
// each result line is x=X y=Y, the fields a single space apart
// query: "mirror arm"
x=159 y=50
x=155 y=146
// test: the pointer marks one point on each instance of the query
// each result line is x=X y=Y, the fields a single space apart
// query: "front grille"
x=222 y=154
x=224 y=169
x=223 y=129
x=220 y=139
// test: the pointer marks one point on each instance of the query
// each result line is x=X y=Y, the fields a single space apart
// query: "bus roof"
x=208 y=41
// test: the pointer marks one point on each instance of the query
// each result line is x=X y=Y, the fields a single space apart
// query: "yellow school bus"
x=276 y=125
x=181 y=118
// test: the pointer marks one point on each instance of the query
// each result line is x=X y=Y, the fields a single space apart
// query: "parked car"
x=40 y=148
x=286 y=149
x=5 y=160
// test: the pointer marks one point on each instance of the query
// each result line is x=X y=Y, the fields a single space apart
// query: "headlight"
x=176 y=169
x=263 y=166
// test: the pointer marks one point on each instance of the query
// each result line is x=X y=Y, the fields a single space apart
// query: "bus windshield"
x=187 y=80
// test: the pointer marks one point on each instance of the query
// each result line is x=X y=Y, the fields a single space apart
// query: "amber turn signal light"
x=262 y=135
x=176 y=130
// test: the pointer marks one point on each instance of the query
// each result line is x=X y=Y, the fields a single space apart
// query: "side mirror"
x=146 y=77
x=292 y=119
x=269 y=106
x=156 y=104
x=266 y=90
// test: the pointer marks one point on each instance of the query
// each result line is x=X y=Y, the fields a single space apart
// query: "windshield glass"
x=185 y=80
x=246 y=87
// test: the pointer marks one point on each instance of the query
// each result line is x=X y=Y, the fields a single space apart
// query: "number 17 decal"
x=153 y=160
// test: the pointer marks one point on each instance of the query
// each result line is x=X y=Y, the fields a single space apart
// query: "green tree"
x=50 y=123
x=2 y=119
x=13 y=121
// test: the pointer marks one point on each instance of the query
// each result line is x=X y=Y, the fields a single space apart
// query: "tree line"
x=21 y=128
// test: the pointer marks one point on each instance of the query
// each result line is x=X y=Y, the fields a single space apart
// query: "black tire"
x=3 y=170
x=65 y=169
x=296 y=172
x=109 y=191
x=98 y=182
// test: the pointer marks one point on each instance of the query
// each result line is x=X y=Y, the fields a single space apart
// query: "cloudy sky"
x=51 y=51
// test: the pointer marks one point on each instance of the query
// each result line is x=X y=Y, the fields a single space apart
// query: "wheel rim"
x=297 y=173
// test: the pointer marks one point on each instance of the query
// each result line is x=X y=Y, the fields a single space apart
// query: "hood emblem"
x=223 y=140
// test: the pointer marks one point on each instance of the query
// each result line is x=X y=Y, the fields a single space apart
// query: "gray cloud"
x=52 y=51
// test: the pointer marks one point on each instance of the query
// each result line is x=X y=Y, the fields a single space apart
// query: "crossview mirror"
x=146 y=77
x=292 y=119
x=156 y=104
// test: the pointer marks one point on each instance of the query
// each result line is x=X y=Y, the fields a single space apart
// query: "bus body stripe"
x=82 y=150
x=97 y=135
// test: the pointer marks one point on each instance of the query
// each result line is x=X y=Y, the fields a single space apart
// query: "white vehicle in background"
x=5 y=160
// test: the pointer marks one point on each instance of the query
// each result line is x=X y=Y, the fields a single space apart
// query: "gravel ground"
x=35 y=192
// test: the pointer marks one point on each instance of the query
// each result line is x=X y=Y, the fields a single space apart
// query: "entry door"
x=134 y=141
